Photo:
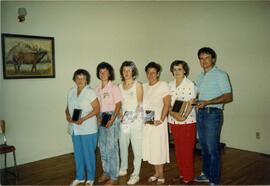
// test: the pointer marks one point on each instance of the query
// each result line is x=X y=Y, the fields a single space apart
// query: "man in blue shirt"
x=214 y=91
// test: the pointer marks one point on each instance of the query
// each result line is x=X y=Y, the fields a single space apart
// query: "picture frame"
x=26 y=56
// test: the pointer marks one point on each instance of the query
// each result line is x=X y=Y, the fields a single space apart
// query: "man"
x=214 y=91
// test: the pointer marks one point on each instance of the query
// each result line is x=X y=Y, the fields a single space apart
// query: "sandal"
x=152 y=178
x=103 y=178
x=160 y=181
x=187 y=181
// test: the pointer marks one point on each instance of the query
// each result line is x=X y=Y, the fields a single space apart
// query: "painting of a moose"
x=27 y=56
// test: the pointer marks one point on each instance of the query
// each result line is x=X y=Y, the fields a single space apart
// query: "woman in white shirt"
x=156 y=103
x=183 y=127
x=131 y=125
x=83 y=129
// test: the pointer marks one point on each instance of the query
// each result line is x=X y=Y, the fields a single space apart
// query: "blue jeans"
x=209 y=123
x=85 y=156
x=109 y=150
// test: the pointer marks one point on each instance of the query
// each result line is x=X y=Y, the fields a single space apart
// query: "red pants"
x=184 y=142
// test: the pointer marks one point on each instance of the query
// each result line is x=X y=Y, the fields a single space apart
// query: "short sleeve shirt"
x=184 y=92
x=213 y=84
x=153 y=97
x=108 y=96
x=83 y=101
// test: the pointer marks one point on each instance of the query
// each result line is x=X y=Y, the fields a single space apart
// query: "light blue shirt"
x=213 y=84
x=83 y=101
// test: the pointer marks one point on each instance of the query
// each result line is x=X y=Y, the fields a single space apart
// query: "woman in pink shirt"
x=110 y=97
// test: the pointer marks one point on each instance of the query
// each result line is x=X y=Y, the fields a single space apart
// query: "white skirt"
x=155 y=148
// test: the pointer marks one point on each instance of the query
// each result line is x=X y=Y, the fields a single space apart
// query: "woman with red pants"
x=183 y=127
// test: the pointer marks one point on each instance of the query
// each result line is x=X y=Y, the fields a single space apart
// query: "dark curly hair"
x=180 y=62
x=82 y=72
x=153 y=65
x=105 y=65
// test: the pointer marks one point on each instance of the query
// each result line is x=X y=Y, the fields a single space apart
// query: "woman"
x=110 y=97
x=83 y=129
x=132 y=121
x=183 y=127
x=155 y=139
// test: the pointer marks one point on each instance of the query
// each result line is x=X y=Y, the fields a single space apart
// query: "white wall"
x=87 y=33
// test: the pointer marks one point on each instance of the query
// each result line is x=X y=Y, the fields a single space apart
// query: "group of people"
x=113 y=116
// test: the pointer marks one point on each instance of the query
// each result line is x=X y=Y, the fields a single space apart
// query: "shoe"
x=212 y=184
x=152 y=178
x=187 y=181
x=177 y=179
x=122 y=172
x=111 y=182
x=160 y=181
x=103 y=178
x=201 y=178
x=133 y=180
x=89 y=182
x=76 y=182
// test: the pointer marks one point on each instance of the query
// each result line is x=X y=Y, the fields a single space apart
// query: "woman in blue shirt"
x=84 y=129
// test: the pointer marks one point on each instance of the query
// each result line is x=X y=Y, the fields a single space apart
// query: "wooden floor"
x=238 y=168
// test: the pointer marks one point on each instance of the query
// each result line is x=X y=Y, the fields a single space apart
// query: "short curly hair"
x=105 y=65
x=180 y=62
x=153 y=65
x=82 y=72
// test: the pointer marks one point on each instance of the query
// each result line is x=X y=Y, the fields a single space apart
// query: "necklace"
x=128 y=83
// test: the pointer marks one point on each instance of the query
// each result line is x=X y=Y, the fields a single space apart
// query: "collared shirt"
x=108 y=96
x=184 y=92
x=213 y=84
x=83 y=101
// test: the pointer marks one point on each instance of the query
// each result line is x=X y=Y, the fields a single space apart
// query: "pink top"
x=108 y=96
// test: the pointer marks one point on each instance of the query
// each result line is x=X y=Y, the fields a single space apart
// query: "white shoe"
x=89 y=182
x=122 y=172
x=133 y=180
x=76 y=182
x=152 y=178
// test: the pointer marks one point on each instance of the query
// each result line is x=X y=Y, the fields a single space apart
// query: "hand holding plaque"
x=149 y=117
x=105 y=117
x=180 y=107
x=76 y=114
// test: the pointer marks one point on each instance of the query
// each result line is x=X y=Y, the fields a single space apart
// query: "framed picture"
x=27 y=56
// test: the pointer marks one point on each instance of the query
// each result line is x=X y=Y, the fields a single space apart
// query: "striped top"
x=213 y=84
